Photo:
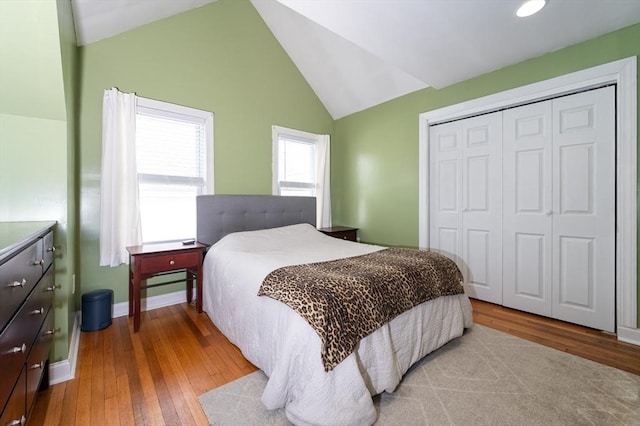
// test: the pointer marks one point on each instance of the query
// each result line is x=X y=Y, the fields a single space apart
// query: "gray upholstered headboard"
x=219 y=215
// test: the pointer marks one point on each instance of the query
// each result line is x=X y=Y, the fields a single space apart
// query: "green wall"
x=220 y=58
x=69 y=62
x=35 y=133
x=375 y=152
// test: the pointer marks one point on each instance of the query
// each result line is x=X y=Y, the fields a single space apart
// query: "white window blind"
x=174 y=157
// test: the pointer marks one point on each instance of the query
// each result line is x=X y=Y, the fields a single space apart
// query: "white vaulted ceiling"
x=359 y=53
x=98 y=19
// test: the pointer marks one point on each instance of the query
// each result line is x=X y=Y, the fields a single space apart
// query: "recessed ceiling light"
x=530 y=7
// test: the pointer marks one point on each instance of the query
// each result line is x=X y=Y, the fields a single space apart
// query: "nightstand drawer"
x=345 y=235
x=168 y=261
x=341 y=232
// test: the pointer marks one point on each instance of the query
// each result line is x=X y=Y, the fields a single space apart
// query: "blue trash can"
x=96 y=310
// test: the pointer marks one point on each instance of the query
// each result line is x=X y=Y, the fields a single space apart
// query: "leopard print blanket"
x=347 y=299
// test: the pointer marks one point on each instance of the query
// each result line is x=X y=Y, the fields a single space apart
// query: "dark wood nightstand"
x=152 y=260
x=341 y=232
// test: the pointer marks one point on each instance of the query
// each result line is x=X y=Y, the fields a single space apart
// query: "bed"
x=251 y=236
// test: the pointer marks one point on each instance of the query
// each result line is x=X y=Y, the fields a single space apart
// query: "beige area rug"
x=485 y=377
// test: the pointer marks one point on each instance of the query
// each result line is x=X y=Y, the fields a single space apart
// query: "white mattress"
x=282 y=344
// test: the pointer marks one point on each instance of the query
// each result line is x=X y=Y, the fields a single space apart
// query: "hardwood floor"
x=582 y=341
x=155 y=376
x=152 y=377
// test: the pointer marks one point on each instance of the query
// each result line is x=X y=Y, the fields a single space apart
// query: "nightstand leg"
x=189 y=281
x=199 y=288
x=136 y=301
x=130 y=290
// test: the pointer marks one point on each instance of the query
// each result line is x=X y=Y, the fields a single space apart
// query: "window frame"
x=278 y=133
x=171 y=110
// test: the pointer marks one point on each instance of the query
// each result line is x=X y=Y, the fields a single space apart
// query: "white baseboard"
x=154 y=302
x=629 y=335
x=64 y=370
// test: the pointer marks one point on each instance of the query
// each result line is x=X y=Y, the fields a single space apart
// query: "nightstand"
x=152 y=260
x=341 y=232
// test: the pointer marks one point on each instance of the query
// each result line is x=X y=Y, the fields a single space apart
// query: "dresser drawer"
x=14 y=412
x=37 y=360
x=18 y=276
x=41 y=298
x=17 y=339
x=169 y=261
x=13 y=354
x=48 y=251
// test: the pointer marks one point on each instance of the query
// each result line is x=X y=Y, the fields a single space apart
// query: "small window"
x=174 y=155
x=294 y=158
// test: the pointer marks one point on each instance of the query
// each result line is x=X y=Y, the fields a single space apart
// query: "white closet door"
x=482 y=206
x=527 y=214
x=465 y=212
x=445 y=177
x=584 y=208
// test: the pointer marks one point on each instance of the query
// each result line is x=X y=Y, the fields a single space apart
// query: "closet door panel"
x=448 y=192
x=482 y=206
x=576 y=179
x=527 y=213
x=477 y=184
x=583 y=205
x=445 y=177
x=529 y=267
x=576 y=270
x=529 y=181
x=448 y=241
x=478 y=257
x=465 y=177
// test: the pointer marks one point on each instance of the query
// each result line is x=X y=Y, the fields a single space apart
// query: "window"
x=301 y=167
x=294 y=154
x=174 y=160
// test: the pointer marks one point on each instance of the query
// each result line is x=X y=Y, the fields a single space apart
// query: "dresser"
x=26 y=316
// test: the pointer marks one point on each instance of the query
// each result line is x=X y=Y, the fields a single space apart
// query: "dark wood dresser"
x=26 y=316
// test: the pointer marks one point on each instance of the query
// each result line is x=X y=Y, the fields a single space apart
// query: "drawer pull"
x=18 y=349
x=39 y=365
x=39 y=262
x=39 y=311
x=18 y=283
x=172 y=262
x=53 y=288
x=20 y=422
x=49 y=332
x=51 y=250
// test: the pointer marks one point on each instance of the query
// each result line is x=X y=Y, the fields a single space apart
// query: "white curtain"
x=119 y=201
x=323 y=191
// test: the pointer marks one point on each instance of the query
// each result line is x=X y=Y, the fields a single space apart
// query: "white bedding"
x=282 y=344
